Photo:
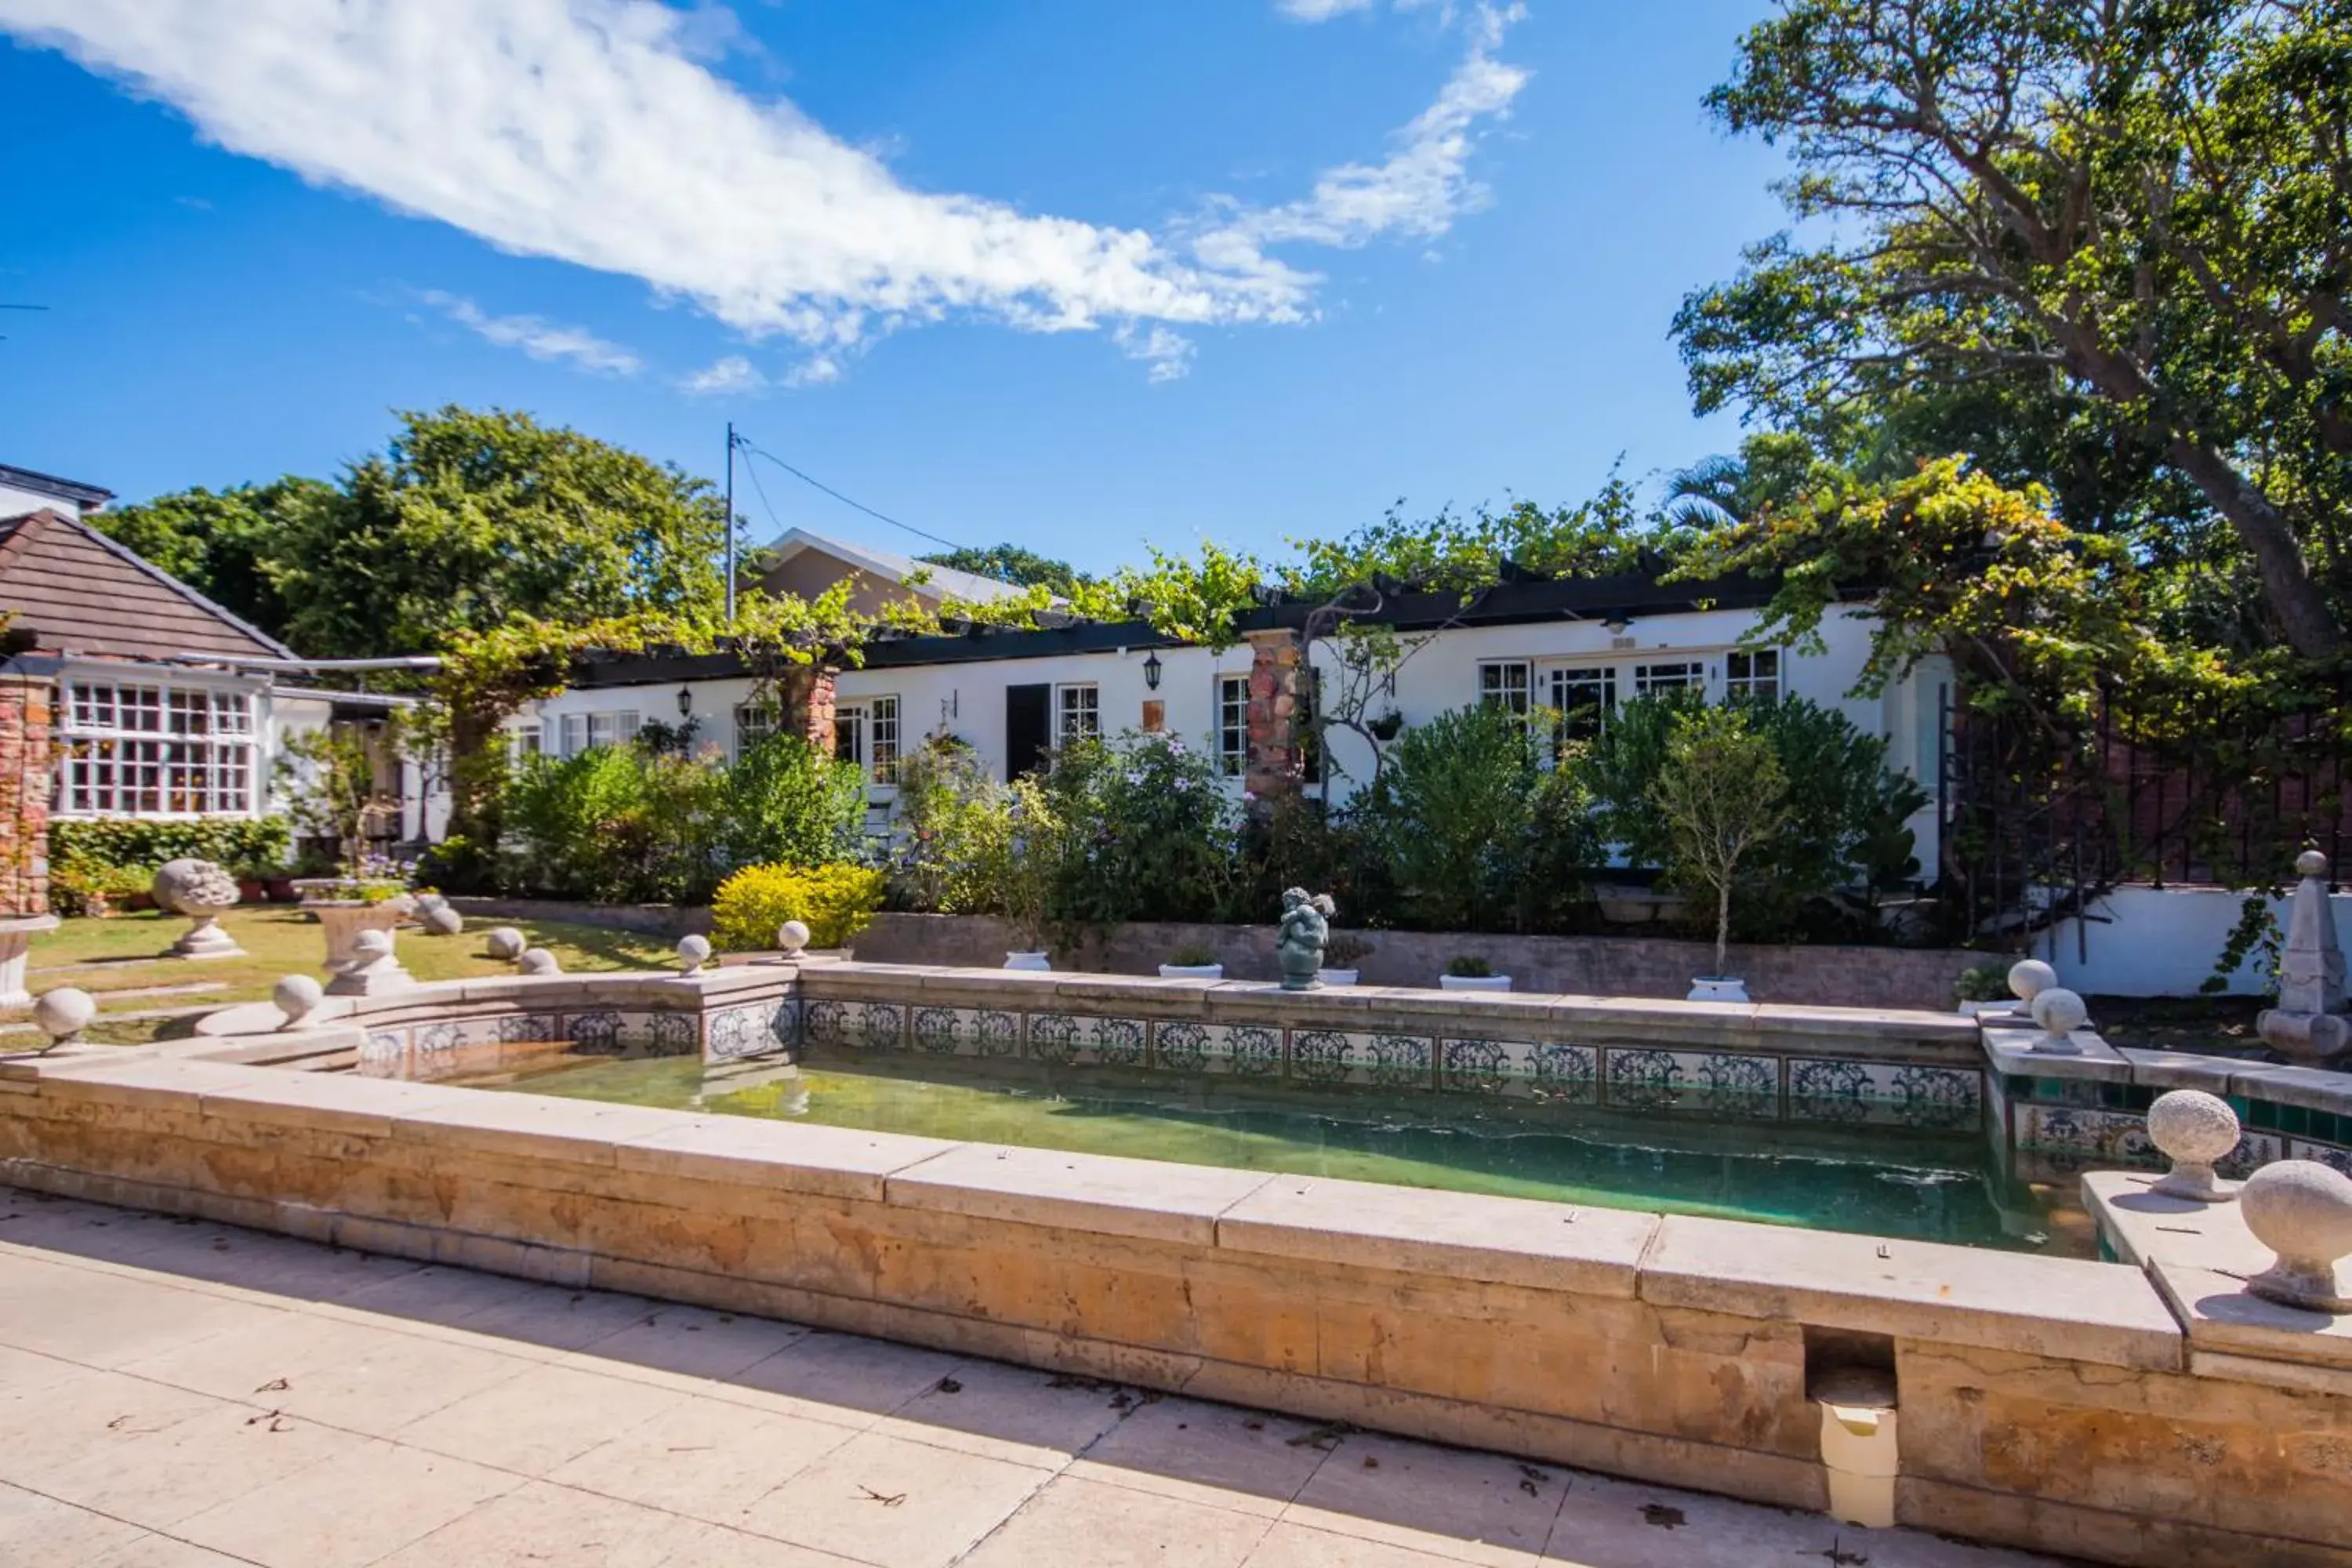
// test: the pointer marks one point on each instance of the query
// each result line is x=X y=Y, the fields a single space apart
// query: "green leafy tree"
x=229 y=545
x=1721 y=798
x=2117 y=228
x=472 y=520
x=1012 y=563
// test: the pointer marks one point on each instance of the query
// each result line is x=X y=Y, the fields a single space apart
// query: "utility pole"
x=730 y=525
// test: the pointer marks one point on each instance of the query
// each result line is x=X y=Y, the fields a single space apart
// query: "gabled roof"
x=940 y=583
x=73 y=590
x=50 y=485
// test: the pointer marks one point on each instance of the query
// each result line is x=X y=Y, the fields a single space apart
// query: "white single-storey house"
x=1580 y=646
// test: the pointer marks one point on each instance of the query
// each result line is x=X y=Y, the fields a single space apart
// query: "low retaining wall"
x=646 y=920
x=1575 y=966
x=2044 y=1402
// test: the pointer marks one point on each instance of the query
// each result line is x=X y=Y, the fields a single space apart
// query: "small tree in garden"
x=338 y=791
x=1722 y=796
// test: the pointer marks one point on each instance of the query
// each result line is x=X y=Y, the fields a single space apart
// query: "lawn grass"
x=125 y=953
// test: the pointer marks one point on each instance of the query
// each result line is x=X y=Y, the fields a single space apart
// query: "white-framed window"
x=1077 y=712
x=1582 y=696
x=865 y=733
x=528 y=741
x=576 y=732
x=1669 y=674
x=1754 y=674
x=1232 y=724
x=754 y=722
x=141 y=749
x=1507 y=684
x=882 y=739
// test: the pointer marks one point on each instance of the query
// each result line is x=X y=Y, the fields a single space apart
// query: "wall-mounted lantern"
x=686 y=701
x=1151 y=671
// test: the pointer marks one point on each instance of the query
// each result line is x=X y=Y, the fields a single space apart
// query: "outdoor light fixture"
x=1151 y=671
x=1617 y=624
x=686 y=701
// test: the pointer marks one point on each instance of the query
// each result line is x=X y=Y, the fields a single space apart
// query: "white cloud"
x=595 y=132
x=733 y=373
x=536 y=336
x=1167 y=351
x=1422 y=188
x=1318 y=10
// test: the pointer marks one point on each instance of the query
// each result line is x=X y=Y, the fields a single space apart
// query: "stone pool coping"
x=1672 y=1348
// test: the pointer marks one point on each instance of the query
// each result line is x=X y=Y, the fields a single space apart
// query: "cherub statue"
x=1306 y=927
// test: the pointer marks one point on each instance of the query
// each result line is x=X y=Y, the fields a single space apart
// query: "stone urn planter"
x=346 y=907
x=1717 y=988
x=17 y=935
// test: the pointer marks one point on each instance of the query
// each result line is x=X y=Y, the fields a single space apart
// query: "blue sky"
x=1074 y=273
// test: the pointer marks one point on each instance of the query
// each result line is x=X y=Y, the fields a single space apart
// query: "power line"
x=819 y=484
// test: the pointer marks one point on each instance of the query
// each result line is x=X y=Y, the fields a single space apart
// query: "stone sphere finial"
x=2311 y=863
x=2060 y=1013
x=506 y=942
x=2301 y=1210
x=792 y=936
x=693 y=953
x=370 y=946
x=297 y=996
x=441 y=919
x=2193 y=1130
x=538 y=961
x=2028 y=978
x=63 y=1014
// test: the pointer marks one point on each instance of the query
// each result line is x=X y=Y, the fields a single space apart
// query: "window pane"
x=1584 y=698
x=849 y=736
x=1080 y=715
x=882 y=738
x=1505 y=684
x=1232 y=723
x=1649 y=679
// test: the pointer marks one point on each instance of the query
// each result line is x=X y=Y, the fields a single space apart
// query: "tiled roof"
x=73 y=590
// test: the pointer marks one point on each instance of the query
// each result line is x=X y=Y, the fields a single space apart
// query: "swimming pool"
x=1876 y=1180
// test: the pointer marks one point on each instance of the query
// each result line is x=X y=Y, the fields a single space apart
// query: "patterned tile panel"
x=1073 y=1039
x=1378 y=1059
x=1843 y=1091
x=2325 y=1154
x=1735 y=1083
x=384 y=1053
x=760 y=1028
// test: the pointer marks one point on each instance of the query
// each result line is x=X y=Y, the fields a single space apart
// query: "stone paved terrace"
x=176 y=1394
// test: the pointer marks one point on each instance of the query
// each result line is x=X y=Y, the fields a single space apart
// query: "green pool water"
x=1891 y=1182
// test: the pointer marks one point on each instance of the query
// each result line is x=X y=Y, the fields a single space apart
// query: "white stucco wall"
x=15 y=501
x=2161 y=941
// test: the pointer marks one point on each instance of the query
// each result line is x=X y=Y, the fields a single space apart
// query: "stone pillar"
x=1273 y=768
x=805 y=695
x=27 y=760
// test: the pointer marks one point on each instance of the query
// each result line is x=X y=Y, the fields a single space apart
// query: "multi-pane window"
x=156 y=751
x=1753 y=675
x=1232 y=723
x=1506 y=684
x=529 y=741
x=1651 y=679
x=576 y=732
x=1077 y=713
x=754 y=722
x=1584 y=698
x=849 y=736
x=882 y=738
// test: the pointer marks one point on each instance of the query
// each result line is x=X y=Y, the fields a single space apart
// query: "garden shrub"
x=1463 y=813
x=955 y=833
x=835 y=902
x=1145 y=831
x=138 y=843
x=1846 y=808
x=626 y=824
x=1725 y=801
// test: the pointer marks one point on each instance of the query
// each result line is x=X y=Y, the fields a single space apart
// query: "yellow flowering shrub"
x=835 y=902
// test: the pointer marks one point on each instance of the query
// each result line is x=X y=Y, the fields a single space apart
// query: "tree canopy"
x=229 y=545
x=1012 y=563
x=2102 y=245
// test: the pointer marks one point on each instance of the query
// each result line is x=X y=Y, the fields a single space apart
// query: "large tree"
x=2108 y=239
x=1014 y=564
x=470 y=521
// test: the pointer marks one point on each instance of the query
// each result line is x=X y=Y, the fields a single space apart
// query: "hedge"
x=138 y=843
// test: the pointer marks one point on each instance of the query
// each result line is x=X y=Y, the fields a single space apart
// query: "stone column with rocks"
x=805 y=693
x=1275 y=768
x=27 y=760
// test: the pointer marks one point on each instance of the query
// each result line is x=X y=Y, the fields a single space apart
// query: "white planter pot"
x=2007 y=1005
x=1192 y=971
x=1336 y=976
x=1717 y=988
x=1027 y=961
x=1474 y=983
x=343 y=921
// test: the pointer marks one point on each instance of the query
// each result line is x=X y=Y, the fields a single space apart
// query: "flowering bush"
x=955 y=833
x=835 y=902
x=1146 y=832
